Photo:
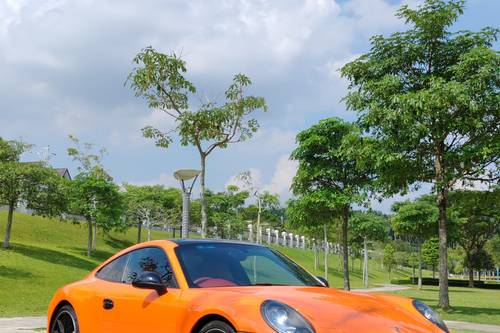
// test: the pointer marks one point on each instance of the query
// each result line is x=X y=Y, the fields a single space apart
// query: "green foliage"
x=84 y=154
x=225 y=211
x=416 y=219
x=159 y=78
x=480 y=260
x=152 y=205
x=430 y=96
x=494 y=249
x=478 y=220
x=36 y=186
x=389 y=258
x=370 y=225
x=430 y=252
x=94 y=196
x=331 y=165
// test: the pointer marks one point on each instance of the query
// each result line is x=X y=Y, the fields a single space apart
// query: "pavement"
x=22 y=325
x=381 y=288
x=37 y=325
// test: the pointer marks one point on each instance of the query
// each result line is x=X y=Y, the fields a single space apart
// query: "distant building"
x=63 y=172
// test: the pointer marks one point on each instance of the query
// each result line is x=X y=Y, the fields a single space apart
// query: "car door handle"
x=107 y=304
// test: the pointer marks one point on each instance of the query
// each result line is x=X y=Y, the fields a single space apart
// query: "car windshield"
x=208 y=265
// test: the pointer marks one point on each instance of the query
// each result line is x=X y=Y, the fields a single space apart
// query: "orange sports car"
x=207 y=286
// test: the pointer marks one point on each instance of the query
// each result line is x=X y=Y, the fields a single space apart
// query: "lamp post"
x=182 y=176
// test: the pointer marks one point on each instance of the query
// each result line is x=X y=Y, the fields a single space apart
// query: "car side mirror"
x=324 y=281
x=150 y=280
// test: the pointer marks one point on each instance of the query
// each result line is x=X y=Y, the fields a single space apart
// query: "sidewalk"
x=34 y=325
x=381 y=288
x=22 y=324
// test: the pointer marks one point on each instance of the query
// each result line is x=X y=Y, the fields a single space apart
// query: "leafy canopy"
x=160 y=79
x=430 y=94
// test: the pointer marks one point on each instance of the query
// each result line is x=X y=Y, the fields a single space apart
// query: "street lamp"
x=182 y=176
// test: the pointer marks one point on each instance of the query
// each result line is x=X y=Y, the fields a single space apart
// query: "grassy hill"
x=46 y=254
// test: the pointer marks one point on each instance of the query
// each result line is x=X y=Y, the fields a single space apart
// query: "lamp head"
x=186 y=174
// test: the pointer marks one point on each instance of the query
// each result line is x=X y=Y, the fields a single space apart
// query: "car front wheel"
x=65 y=321
x=217 y=327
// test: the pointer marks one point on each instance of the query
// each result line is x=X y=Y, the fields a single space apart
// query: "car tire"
x=65 y=321
x=217 y=327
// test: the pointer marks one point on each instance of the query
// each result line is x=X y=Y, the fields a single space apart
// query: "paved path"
x=461 y=325
x=382 y=288
x=22 y=325
x=34 y=325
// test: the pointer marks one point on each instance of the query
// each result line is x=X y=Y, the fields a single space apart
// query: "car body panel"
x=179 y=309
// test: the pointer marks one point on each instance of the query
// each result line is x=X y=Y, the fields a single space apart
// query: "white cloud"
x=284 y=172
x=164 y=179
x=280 y=182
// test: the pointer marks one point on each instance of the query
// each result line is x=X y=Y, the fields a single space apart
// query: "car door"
x=130 y=309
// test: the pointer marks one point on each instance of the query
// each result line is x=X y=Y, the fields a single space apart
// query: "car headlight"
x=430 y=314
x=284 y=319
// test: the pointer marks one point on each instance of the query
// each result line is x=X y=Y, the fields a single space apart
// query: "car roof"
x=186 y=241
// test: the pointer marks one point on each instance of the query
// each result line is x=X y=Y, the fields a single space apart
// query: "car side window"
x=149 y=259
x=114 y=270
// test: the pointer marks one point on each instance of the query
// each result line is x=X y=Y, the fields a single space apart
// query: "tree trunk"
x=259 y=212
x=94 y=237
x=149 y=232
x=203 y=202
x=315 y=251
x=420 y=265
x=89 y=244
x=365 y=262
x=345 y=249
x=442 y=201
x=139 y=231
x=325 y=234
x=10 y=218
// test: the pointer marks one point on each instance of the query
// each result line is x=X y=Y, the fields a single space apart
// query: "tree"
x=494 y=250
x=224 y=211
x=478 y=220
x=413 y=261
x=151 y=206
x=333 y=172
x=479 y=260
x=389 y=258
x=92 y=194
x=34 y=185
x=159 y=78
x=431 y=97
x=95 y=197
x=418 y=220
x=365 y=227
x=430 y=254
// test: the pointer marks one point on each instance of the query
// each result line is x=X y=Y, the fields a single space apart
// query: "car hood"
x=333 y=310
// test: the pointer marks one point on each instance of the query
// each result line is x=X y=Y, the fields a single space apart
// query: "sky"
x=63 y=66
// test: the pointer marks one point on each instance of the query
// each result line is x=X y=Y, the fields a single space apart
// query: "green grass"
x=46 y=254
x=472 y=305
x=377 y=275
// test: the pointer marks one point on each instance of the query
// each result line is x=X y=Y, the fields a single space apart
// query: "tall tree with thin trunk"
x=431 y=96
x=159 y=78
x=34 y=185
x=333 y=172
x=310 y=212
x=477 y=215
x=92 y=194
x=366 y=227
x=417 y=220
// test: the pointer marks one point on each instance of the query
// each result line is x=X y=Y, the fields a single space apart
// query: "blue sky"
x=64 y=63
